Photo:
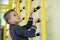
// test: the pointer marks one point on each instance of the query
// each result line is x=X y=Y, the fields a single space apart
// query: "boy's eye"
x=14 y=15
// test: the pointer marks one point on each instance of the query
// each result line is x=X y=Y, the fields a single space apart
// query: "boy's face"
x=14 y=18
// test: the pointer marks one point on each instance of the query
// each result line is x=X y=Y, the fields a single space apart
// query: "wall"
x=53 y=19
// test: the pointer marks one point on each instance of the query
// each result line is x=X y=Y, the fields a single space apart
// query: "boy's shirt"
x=22 y=32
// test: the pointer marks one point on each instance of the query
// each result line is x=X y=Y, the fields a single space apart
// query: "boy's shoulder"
x=15 y=26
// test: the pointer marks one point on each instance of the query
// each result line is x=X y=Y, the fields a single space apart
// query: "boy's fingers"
x=32 y=9
x=36 y=19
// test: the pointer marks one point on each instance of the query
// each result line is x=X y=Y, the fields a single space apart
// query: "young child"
x=20 y=32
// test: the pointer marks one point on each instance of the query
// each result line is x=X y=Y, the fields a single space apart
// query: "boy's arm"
x=29 y=24
x=25 y=33
x=20 y=31
x=30 y=21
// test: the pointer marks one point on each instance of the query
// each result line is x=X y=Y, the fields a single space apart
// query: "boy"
x=20 y=32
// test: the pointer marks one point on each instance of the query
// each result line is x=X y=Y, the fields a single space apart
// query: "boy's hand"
x=35 y=21
x=31 y=12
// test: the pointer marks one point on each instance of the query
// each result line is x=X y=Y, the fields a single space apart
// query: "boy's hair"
x=7 y=15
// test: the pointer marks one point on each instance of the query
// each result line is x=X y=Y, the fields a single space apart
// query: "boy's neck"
x=14 y=23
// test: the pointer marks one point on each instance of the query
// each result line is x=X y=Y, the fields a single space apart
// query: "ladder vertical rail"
x=30 y=7
x=18 y=8
x=43 y=20
x=26 y=11
x=10 y=4
x=4 y=32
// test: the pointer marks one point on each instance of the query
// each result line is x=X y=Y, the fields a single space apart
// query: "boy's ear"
x=9 y=20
